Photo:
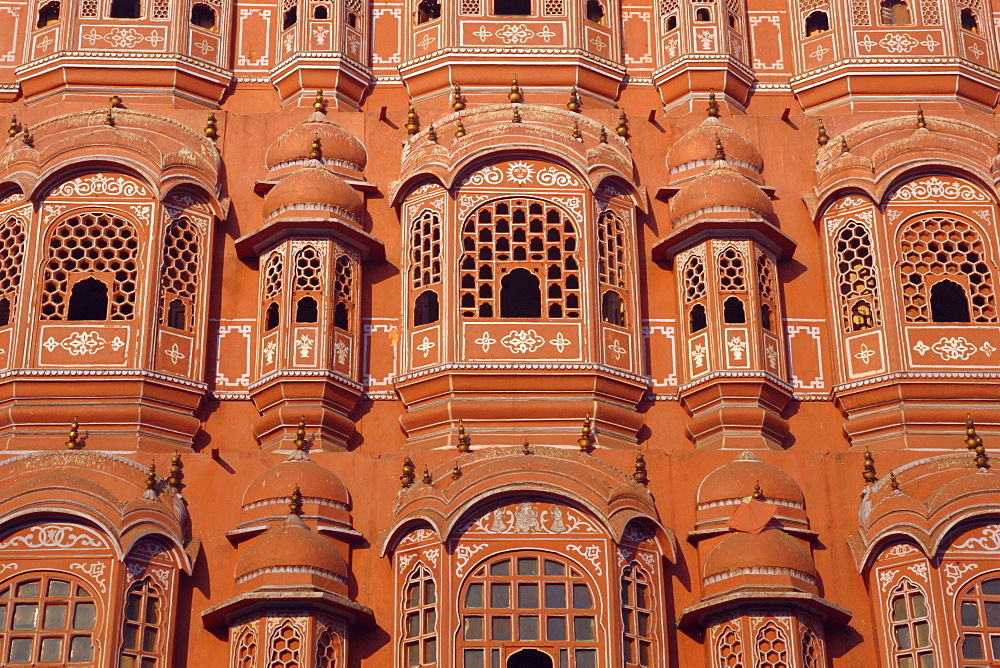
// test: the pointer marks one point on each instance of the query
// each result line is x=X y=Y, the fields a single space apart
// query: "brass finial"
x=971 y=438
x=463 y=438
x=757 y=494
x=574 y=100
x=713 y=106
x=407 y=478
x=14 y=128
x=412 y=121
x=295 y=503
x=517 y=116
x=432 y=134
x=515 y=95
x=316 y=148
x=604 y=135
x=921 y=123
x=843 y=143
x=456 y=472
x=426 y=477
x=622 y=128
x=869 y=468
x=576 y=131
x=821 y=137
x=457 y=101
x=211 y=127
x=319 y=104
x=586 y=439
x=109 y=119
x=893 y=483
x=151 y=476
x=720 y=152
x=116 y=102
x=176 y=472
x=525 y=448
x=459 y=129
x=639 y=472
x=74 y=436
x=300 y=434
x=26 y=137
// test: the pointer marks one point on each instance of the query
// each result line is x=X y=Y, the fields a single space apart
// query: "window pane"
x=430 y=650
x=81 y=649
x=149 y=639
x=923 y=631
x=430 y=621
x=564 y=658
x=554 y=568
x=25 y=616
x=555 y=595
x=494 y=658
x=527 y=627
x=629 y=650
x=501 y=628
x=20 y=650
x=412 y=651
x=555 y=628
x=970 y=614
x=148 y=663
x=899 y=609
x=474 y=595
x=500 y=567
x=132 y=607
x=3 y=617
x=903 y=637
x=527 y=595
x=55 y=616
x=626 y=589
x=500 y=595
x=583 y=628
x=473 y=658
x=581 y=597
x=152 y=607
x=992 y=614
x=972 y=647
x=992 y=587
x=640 y=596
x=905 y=662
x=644 y=652
x=527 y=566
x=919 y=605
x=926 y=660
x=627 y=618
x=28 y=590
x=430 y=594
x=51 y=649
x=412 y=595
x=126 y=661
x=412 y=625
x=643 y=625
x=995 y=643
x=586 y=658
x=473 y=629
x=131 y=636
x=58 y=588
x=84 y=616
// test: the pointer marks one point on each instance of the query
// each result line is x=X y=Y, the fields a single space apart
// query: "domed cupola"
x=696 y=151
x=722 y=194
x=771 y=558
x=338 y=149
x=313 y=193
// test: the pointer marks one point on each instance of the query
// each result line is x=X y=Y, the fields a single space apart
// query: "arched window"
x=595 y=11
x=203 y=16
x=420 y=619
x=306 y=310
x=179 y=284
x=861 y=316
x=88 y=300
x=341 y=320
x=512 y=7
x=353 y=9
x=979 y=616
x=328 y=648
x=141 y=635
x=285 y=648
x=343 y=290
x=728 y=647
x=176 y=315
x=12 y=242
x=425 y=250
x=520 y=601
x=671 y=22
x=949 y=303
x=854 y=267
x=290 y=18
x=767 y=289
x=812 y=650
x=48 y=14
x=520 y=295
x=816 y=23
x=911 y=627
x=428 y=10
x=321 y=12
x=894 y=13
x=637 y=617
x=613 y=308
x=272 y=290
x=47 y=620
x=765 y=317
x=272 y=317
x=698 y=320
x=426 y=309
x=969 y=21
x=734 y=311
x=245 y=653
x=126 y=9
x=771 y=647
x=703 y=15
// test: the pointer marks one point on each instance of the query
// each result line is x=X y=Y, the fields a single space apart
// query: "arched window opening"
x=703 y=15
x=969 y=21
x=529 y=658
x=176 y=314
x=595 y=12
x=861 y=316
x=816 y=23
x=637 y=616
x=12 y=243
x=306 y=310
x=290 y=18
x=141 y=637
x=341 y=320
x=911 y=627
x=48 y=14
x=126 y=9
x=520 y=295
x=321 y=12
x=271 y=318
x=671 y=22
x=50 y=621
x=734 y=311
x=894 y=13
x=771 y=646
x=203 y=16
x=613 y=308
x=697 y=320
x=979 y=616
x=420 y=619
x=732 y=21
x=512 y=7
x=88 y=300
x=949 y=303
x=765 y=317
x=4 y=312
x=426 y=308
x=353 y=20
x=854 y=260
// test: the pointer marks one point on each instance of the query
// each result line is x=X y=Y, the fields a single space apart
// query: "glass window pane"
x=644 y=652
x=626 y=592
x=500 y=595
x=899 y=609
x=430 y=650
x=527 y=627
x=473 y=628
x=992 y=587
x=84 y=616
x=564 y=658
x=554 y=568
x=152 y=608
x=586 y=658
x=412 y=651
x=640 y=596
x=81 y=649
x=27 y=590
x=494 y=658
x=500 y=567
x=970 y=614
x=149 y=639
x=527 y=566
x=474 y=595
x=20 y=650
x=430 y=593
x=581 y=597
x=3 y=617
x=131 y=636
x=430 y=621
x=55 y=616
x=501 y=628
x=527 y=595
x=926 y=660
x=643 y=625
x=995 y=644
x=629 y=650
x=583 y=628
x=905 y=662
x=58 y=588
x=992 y=613
x=555 y=595
x=555 y=628
x=903 y=637
x=923 y=631
x=627 y=618
x=972 y=647
x=919 y=605
x=51 y=650
x=412 y=595
x=412 y=625
x=80 y=591
x=473 y=658
x=126 y=661
x=25 y=616
x=132 y=604
x=148 y=663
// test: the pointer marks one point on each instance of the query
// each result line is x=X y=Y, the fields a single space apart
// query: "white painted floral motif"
x=425 y=346
x=617 y=349
x=919 y=569
x=58 y=536
x=900 y=551
x=204 y=46
x=952 y=573
x=320 y=33
x=490 y=175
x=174 y=353
x=123 y=38
x=79 y=343
x=304 y=344
x=522 y=341
x=99 y=184
x=117 y=343
x=737 y=346
x=94 y=570
x=772 y=354
x=885 y=578
x=269 y=350
x=515 y=33
x=550 y=176
x=865 y=354
x=989 y=539
x=698 y=354
x=935 y=188
x=954 y=348
x=485 y=341
x=341 y=350
x=921 y=347
x=591 y=553
x=987 y=349
x=463 y=553
x=432 y=555
x=560 y=342
x=405 y=560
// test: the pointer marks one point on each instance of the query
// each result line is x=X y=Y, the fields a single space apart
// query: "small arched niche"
x=48 y=14
x=520 y=295
x=817 y=23
x=203 y=16
x=88 y=300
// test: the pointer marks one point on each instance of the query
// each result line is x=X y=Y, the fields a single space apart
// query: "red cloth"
x=752 y=516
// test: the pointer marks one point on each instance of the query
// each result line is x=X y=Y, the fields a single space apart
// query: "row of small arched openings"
x=891 y=13
x=202 y=15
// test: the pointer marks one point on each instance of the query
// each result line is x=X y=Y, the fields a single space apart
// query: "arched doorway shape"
x=529 y=658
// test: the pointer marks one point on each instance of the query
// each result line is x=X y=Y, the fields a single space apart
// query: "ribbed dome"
x=290 y=546
x=721 y=190
x=770 y=549
x=697 y=147
x=313 y=189
x=275 y=485
x=736 y=480
x=337 y=145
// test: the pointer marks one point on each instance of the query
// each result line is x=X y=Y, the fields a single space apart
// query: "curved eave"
x=740 y=599
x=265 y=598
x=696 y=231
x=253 y=244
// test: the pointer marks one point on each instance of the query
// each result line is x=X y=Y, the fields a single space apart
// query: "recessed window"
x=817 y=23
x=512 y=7
x=732 y=21
x=862 y=317
x=703 y=15
x=271 y=318
x=520 y=295
x=321 y=12
x=671 y=22
x=291 y=17
x=426 y=309
x=765 y=317
x=949 y=303
x=48 y=14
x=126 y=9
x=306 y=310
x=969 y=21
x=595 y=12
x=141 y=637
x=697 y=320
x=894 y=13
x=340 y=317
x=733 y=311
x=352 y=19
x=176 y=314
x=203 y=16
x=50 y=621
x=613 y=308
x=88 y=300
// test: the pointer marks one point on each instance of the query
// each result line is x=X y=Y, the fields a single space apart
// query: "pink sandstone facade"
x=499 y=333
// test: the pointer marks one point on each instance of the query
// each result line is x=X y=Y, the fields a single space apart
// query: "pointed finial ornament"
x=720 y=152
x=116 y=102
x=151 y=476
x=457 y=101
x=426 y=477
x=639 y=472
x=300 y=434
x=459 y=129
x=456 y=472
x=576 y=131
x=319 y=104
x=412 y=121
x=295 y=501
x=868 y=473
x=517 y=116
x=757 y=493
x=843 y=144
x=316 y=148
x=525 y=448
x=14 y=128
x=176 y=472
x=211 y=127
x=407 y=478
x=74 y=436
x=974 y=442
x=26 y=137
x=515 y=96
x=432 y=134
x=821 y=137
x=109 y=119
x=574 y=101
x=893 y=483
x=604 y=135
x=921 y=123
x=622 y=128
x=586 y=440
x=464 y=443
x=713 y=106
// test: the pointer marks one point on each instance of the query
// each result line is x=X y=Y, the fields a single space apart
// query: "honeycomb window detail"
x=12 y=244
x=772 y=647
x=181 y=258
x=285 y=647
x=856 y=278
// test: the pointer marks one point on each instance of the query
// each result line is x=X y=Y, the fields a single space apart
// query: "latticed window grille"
x=272 y=276
x=308 y=270
x=729 y=649
x=857 y=283
x=94 y=243
x=612 y=262
x=161 y=9
x=354 y=7
x=861 y=13
x=693 y=277
x=771 y=647
x=812 y=654
x=285 y=649
x=911 y=627
x=11 y=256
x=553 y=8
x=425 y=250
x=88 y=9
x=668 y=7
x=327 y=645
x=246 y=649
x=943 y=247
x=767 y=288
x=179 y=276
x=637 y=617
x=732 y=270
x=930 y=11
x=343 y=289
x=46 y=620
x=141 y=633
x=530 y=234
x=979 y=614
x=470 y=7
x=420 y=618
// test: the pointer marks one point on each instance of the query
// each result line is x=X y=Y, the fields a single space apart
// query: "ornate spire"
x=316 y=148
x=517 y=116
x=574 y=101
x=713 y=106
x=515 y=96
x=604 y=135
x=464 y=443
x=974 y=442
x=843 y=144
x=893 y=483
x=26 y=137
x=921 y=123
x=407 y=478
x=116 y=102
x=459 y=129
x=426 y=477
x=457 y=101
x=295 y=502
x=821 y=137
x=151 y=476
x=456 y=472
x=211 y=127
x=432 y=134
x=720 y=152
x=525 y=448
x=176 y=472
x=576 y=131
x=14 y=128
x=757 y=493
x=639 y=471
x=74 y=436
x=586 y=439
x=412 y=121
x=869 y=468
x=622 y=128
x=319 y=104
